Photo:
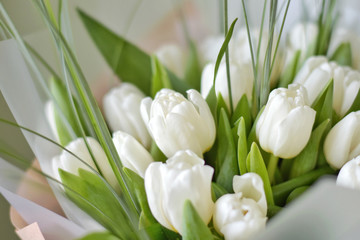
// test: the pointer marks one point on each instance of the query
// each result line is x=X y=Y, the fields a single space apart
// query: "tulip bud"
x=317 y=72
x=70 y=163
x=122 y=112
x=285 y=126
x=132 y=154
x=173 y=58
x=349 y=175
x=168 y=185
x=343 y=141
x=301 y=37
x=210 y=48
x=241 y=77
x=242 y=214
x=176 y=123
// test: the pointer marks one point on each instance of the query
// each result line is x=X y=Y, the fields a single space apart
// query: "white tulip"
x=70 y=163
x=242 y=214
x=241 y=77
x=317 y=72
x=349 y=175
x=210 y=48
x=343 y=141
x=168 y=185
x=132 y=154
x=176 y=123
x=251 y=186
x=173 y=58
x=285 y=126
x=314 y=75
x=122 y=112
x=301 y=37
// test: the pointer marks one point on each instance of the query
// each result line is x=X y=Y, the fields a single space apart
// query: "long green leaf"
x=255 y=163
x=160 y=78
x=282 y=190
x=226 y=154
x=242 y=149
x=193 y=226
x=100 y=236
x=307 y=159
x=90 y=187
x=323 y=104
x=343 y=55
x=127 y=61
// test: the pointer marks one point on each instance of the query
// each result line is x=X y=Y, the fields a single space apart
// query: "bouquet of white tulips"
x=207 y=141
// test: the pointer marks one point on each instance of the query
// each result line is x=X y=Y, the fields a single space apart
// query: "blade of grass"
x=227 y=58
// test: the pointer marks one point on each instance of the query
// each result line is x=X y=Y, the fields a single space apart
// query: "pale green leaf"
x=307 y=158
x=193 y=226
x=342 y=55
x=226 y=162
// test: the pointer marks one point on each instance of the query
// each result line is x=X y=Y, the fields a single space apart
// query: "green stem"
x=282 y=190
x=227 y=58
x=273 y=162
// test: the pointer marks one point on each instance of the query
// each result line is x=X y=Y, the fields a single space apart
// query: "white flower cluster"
x=184 y=129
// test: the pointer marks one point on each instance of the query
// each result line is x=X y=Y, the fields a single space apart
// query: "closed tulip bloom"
x=349 y=175
x=343 y=141
x=210 y=48
x=242 y=214
x=122 y=112
x=251 y=186
x=302 y=37
x=177 y=123
x=241 y=77
x=168 y=185
x=70 y=163
x=132 y=154
x=173 y=58
x=285 y=126
x=317 y=72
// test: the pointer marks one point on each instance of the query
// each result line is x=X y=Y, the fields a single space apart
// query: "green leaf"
x=193 y=68
x=342 y=55
x=296 y=193
x=146 y=216
x=290 y=70
x=156 y=153
x=160 y=78
x=273 y=210
x=255 y=163
x=242 y=148
x=323 y=104
x=100 y=236
x=221 y=105
x=127 y=61
x=307 y=159
x=282 y=190
x=242 y=110
x=91 y=194
x=60 y=95
x=252 y=135
x=226 y=162
x=217 y=191
x=193 y=226
x=211 y=100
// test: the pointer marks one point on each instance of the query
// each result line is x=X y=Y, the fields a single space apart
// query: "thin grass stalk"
x=96 y=118
x=227 y=57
